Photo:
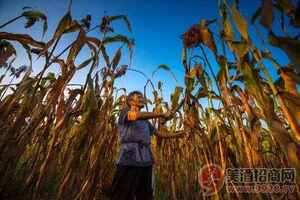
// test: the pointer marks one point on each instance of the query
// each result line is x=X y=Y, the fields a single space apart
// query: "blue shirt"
x=135 y=141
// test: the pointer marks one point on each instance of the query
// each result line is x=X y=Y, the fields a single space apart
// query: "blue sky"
x=156 y=28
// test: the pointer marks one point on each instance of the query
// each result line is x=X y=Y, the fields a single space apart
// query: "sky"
x=156 y=29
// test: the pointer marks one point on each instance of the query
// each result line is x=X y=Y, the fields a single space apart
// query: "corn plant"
x=60 y=141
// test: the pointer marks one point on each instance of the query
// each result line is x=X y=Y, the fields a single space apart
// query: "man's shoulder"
x=124 y=110
x=123 y=115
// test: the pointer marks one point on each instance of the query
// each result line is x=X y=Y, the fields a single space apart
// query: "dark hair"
x=131 y=94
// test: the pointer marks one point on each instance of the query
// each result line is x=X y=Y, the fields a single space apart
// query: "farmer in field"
x=133 y=177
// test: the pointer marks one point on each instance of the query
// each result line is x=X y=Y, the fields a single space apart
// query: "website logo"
x=211 y=179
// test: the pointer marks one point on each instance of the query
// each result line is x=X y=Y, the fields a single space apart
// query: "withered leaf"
x=240 y=22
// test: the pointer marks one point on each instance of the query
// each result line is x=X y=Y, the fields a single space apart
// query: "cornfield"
x=60 y=141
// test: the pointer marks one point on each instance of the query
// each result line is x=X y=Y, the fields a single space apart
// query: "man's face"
x=137 y=100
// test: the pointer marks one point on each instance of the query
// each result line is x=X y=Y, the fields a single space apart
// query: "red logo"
x=211 y=179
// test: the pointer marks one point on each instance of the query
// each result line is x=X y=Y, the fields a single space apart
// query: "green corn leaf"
x=164 y=67
x=120 y=17
x=34 y=16
x=118 y=38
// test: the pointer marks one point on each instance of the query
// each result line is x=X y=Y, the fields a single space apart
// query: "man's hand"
x=167 y=116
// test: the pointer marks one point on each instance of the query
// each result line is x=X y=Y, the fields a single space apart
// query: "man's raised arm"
x=136 y=115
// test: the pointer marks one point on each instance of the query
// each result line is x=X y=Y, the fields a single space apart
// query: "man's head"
x=136 y=99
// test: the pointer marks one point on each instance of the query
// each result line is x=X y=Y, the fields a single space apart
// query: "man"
x=133 y=177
